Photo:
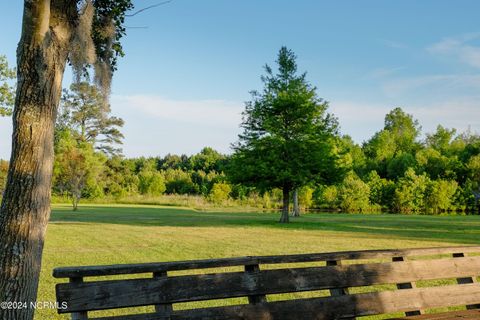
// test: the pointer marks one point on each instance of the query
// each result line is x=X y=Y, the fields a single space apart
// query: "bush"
x=220 y=192
x=440 y=196
x=353 y=194
x=382 y=191
x=179 y=182
x=410 y=192
x=151 y=183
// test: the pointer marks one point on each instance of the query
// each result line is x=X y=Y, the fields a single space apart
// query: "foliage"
x=399 y=164
x=207 y=160
x=398 y=139
x=353 y=194
x=382 y=191
x=440 y=196
x=77 y=169
x=305 y=197
x=84 y=111
x=151 y=183
x=7 y=89
x=410 y=192
x=287 y=134
x=220 y=192
x=431 y=180
x=179 y=182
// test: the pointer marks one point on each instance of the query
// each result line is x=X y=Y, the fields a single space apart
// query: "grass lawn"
x=98 y=234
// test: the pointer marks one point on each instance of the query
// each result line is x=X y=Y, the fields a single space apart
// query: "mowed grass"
x=101 y=234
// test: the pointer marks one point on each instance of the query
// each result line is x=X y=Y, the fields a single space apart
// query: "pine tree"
x=287 y=138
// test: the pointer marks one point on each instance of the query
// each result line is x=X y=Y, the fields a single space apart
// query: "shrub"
x=353 y=194
x=220 y=192
x=151 y=183
x=440 y=196
x=410 y=192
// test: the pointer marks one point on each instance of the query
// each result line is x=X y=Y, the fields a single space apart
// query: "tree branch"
x=147 y=8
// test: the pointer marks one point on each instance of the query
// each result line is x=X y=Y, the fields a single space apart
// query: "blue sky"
x=185 y=77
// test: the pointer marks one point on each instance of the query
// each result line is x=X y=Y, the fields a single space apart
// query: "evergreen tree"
x=85 y=111
x=287 y=139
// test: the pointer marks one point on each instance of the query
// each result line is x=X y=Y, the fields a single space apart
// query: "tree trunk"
x=75 y=202
x=286 y=204
x=25 y=209
x=296 y=208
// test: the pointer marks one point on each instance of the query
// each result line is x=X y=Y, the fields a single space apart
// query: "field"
x=98 y=234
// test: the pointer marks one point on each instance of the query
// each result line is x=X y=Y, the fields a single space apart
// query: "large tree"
x=86 y=33
x=85 y=111
x=287 y=138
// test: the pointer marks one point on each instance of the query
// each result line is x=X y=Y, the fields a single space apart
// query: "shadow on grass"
x=461 y=229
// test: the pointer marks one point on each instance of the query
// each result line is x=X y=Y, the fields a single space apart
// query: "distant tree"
x=399 y=164
x=435 y=164
x=399 y=136
x=7 y=90
x=351 y=155
x=173 y=161
x=77 y=167
x=178 y=181
x=85 y=111
x=207 y=160
x=404 y=129
x=287 y=134
x=441 y=139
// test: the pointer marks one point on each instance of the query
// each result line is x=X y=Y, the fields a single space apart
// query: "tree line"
x=396 y=170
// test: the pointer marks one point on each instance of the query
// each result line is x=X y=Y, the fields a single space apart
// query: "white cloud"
x=216 y=113
x=460 y=48
x=362 y=120
x=155 y=125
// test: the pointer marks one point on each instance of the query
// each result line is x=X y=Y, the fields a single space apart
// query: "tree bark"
x=286 y=204
x=41 y=56
x=296 y=208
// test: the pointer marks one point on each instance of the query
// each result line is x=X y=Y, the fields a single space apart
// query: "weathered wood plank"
x=466 y=280
x=328 y=308
x=89 y=271
x=137 y=292
x=406 y=285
